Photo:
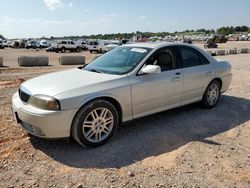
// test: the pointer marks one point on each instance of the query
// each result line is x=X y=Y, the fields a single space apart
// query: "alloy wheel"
x=98 y=125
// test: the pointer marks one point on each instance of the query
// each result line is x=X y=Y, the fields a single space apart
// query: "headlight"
x=44 y=102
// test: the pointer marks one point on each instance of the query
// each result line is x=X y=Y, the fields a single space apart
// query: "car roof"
x=156 y=45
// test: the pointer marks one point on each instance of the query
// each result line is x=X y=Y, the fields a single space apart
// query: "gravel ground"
x=183 y=147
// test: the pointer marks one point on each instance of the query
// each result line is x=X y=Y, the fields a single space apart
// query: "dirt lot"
x=184 y=147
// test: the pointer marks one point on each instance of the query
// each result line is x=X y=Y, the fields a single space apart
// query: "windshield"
x=118 y=61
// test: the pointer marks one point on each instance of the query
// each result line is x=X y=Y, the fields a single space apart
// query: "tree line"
x=221 y=31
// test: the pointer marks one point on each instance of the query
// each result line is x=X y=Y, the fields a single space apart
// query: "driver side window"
x=163 y=58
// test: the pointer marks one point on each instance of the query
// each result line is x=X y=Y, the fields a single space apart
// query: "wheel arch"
x=215 y=79
x=112 y=100
x=218 y=80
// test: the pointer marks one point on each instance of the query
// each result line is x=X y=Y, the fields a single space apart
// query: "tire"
x=211 y=95
x=90 y=51
x=63 y=50
x=78 y=49
x=95 y=123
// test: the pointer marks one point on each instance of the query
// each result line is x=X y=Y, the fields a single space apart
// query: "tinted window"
x=164 y=58
x=191 y=57
x=64 y=42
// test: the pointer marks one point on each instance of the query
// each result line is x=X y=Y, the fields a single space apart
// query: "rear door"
x=197 y=73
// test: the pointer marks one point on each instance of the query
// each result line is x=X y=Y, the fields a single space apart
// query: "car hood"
x=56 y=83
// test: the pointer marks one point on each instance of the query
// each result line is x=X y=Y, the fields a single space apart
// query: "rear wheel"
x=211 y=95
x=95 y=123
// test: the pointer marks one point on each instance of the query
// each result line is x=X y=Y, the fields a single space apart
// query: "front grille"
x=32 y=130
x=27 y=127
x=23 y=96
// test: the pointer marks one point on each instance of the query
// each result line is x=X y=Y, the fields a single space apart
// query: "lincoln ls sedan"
x=131 y=81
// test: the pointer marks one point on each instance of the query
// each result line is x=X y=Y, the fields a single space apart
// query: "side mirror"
x=151 y=69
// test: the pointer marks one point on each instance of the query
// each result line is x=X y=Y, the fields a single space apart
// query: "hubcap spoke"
x=105 y=130
x=90 y=133
x=94 y=114
x=87 y=124
x=104 y=113
x=99 y=136
x=109 y=120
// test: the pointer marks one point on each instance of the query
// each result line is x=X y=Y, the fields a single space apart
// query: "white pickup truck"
x=65 y=45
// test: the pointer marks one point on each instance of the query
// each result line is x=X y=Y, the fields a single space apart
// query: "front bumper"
x=42 y=123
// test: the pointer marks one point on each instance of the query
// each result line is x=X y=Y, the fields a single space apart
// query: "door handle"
x=210 y=73
x=176 y=79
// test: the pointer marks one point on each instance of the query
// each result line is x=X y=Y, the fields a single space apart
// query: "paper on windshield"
x=139 y=50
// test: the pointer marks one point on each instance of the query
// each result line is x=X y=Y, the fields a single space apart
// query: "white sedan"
x=131 y=81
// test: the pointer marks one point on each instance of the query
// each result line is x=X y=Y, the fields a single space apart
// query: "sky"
x=37 y=18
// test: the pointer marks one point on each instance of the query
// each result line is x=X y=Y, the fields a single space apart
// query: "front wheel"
x=211 y=95
x=95 y=123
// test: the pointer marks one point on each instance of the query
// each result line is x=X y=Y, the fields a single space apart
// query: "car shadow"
x=152 y=135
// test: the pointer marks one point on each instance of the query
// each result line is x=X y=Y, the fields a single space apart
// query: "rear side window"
x=191 y=57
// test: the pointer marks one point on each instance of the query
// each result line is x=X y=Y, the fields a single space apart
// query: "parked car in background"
x=97 y=46
x=210 y=44
x=1 y=44
x=67 y=45
x=33 y=44
x=218 y=39
x=15 y=44
x=131 y=81
x=112 y=44
x=50 y=49
x=188 y=41
x=84 y=45
x=44 y=44
x=6 y=43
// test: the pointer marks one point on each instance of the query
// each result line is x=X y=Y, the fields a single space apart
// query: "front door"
x=153 y=93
